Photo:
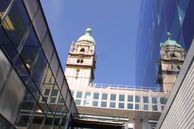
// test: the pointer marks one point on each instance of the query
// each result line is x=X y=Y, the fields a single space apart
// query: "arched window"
x=81 y=61
x=82 y=50
x=78 y=61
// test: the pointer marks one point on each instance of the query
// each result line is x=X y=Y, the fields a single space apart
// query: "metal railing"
x=126 y=87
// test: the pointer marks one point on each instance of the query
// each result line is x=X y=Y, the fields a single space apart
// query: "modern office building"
x=28 y=65
x=157 y=17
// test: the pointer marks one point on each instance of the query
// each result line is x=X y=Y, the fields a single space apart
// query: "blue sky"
x=115 y=25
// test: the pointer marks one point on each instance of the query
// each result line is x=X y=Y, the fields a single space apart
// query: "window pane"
x=112 y=104
x=87 y=95
x=130 y=106
x=130 y=98
x=137 y=98
x=16 y=22
x=86 y=102
x=121 y=105
x=79 y=94
x=145 y=99
x=61 y=100
x=96 y=96
x=95 y=103
x=104 y=96
x=154 y=107
x=154 y=100
x=39 y=68
x=113 y=97
x=103 y=104
x=47 y=91
x=52 y=100
x=137 y=107
x=121 y=97
x=48 y=47
x=54 y=92
x=54 y=64
x=163 y=100
x=78 y=102
x=145 y=107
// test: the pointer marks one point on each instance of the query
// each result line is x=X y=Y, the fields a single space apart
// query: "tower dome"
x=87 y=36
x=170 y=42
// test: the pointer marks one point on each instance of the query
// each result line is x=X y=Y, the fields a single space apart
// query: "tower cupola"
x=87 y=36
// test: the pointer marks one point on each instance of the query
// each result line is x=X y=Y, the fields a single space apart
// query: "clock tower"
x=81 y=61
x=172 y=58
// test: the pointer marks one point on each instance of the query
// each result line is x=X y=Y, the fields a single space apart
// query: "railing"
x=126 y=87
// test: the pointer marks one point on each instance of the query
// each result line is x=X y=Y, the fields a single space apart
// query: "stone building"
x=138 y=106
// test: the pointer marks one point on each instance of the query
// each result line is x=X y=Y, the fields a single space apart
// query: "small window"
x=130 y=106
x=137 y=98
x=145 y=107
x=54 y=92
x=78 y=102
x=130 y=98
x=154 y=107
x=60 y=100
x=78 y=61
x=87 y=102
x=79 y=94
x=112 y=104
x=104 y=96
x=154 y=100
x=47 y=91
x=113 y=97
x=82 y=50
x=81 y=61
x=137 y=107
x=163 y=100
x=53 y=100
x=121 y=97
x=103 y=104
x=95 y=103
x=145 y=99
x=121 y=105
x=87 y=95
x=96 y=96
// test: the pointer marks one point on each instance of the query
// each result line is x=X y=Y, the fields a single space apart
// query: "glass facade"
x=33 y=90
x=157 y=17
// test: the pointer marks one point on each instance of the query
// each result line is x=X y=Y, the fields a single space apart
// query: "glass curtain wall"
x=32 y=69
x=157 y=17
